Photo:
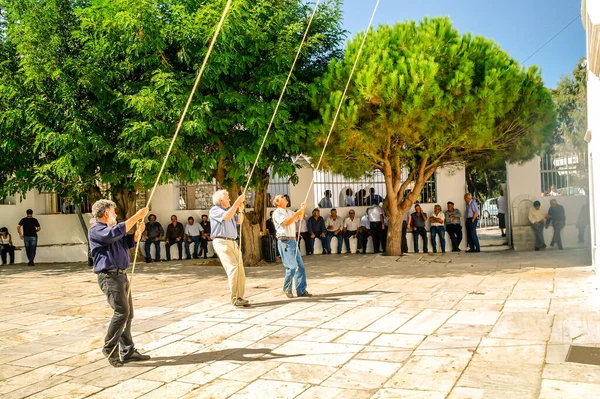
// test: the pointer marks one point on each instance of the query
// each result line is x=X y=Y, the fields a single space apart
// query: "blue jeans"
x=294 y=267
x=148 y=245
x=196 y=241
x=339 y=238
x=30 y=247
x=472 y=239
x=312 y=243
x=435 y=231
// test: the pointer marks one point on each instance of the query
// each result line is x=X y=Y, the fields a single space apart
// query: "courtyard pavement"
x=488 y=325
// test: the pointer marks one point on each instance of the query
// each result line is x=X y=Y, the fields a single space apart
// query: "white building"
x=590 y=15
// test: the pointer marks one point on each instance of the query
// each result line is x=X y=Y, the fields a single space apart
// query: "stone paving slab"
x=488 y=325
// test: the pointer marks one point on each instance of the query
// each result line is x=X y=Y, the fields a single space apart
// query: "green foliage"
x=424 y=96
x=570 y=97
x=92 y=90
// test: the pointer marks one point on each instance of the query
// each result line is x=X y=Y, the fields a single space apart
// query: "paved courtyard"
x=488 y=325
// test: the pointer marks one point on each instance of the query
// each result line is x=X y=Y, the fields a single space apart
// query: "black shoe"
x=30 y=264
x=195 y=256
x=470 y=250
x=214 y=256
x=205 y=257
x=113 y=358
x=434 y=251
x=188 y=258
x=536 y=249
x=443 y=251
x=135 y=357
x=148 y=261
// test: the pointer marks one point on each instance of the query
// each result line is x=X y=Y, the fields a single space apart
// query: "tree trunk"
x=254 y=221
x=394 y=233
x=126 y=207
x=488 y=183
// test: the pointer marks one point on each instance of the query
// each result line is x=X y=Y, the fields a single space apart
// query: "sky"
x=520 y=27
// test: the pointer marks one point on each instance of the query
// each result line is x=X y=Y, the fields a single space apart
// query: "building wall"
x=63 y=240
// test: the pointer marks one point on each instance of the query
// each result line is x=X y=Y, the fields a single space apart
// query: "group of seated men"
x=374 y=224
x=194 y=233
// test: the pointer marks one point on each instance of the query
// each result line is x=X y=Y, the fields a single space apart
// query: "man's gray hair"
x=277 y=199
x=102 y=206
x=218 y=196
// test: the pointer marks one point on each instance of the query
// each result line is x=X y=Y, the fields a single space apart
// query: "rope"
x=337 y=113
x=185 y=110
x=262 y=145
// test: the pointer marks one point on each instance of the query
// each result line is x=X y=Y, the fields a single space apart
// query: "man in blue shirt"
x=472 y=217
x=109 y=245
x=223 y=226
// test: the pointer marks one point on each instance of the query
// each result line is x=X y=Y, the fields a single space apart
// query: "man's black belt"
x=226 y=238
x=113 y=271
x=286 y=238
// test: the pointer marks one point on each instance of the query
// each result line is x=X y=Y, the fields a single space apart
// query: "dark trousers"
x=179 y=248
x=347 y=240
x=456 y=235
x=196 y=242
x=30 y=247
x=376 y=233
x=115 y=288
x=306 y=238
x=438 y=231
x=422 y=232
x=7 y=250
x=340 y=241
x=539 y=235
x=556 y=238
x=472 y=239
x=204 y=246
x=404 y=241
x=323 y=243
x=364 y=239
x=149 y=242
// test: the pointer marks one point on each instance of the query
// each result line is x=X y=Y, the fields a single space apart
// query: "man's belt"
x=226 y=238
x=286 y=238
x=113 y=271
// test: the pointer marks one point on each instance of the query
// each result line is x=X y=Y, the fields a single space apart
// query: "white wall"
x=594 y=161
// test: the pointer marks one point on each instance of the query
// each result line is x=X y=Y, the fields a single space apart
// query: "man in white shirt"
x=537 y=218
x=376 y=218
x=193 y=230
x=365 y=232
x=501 y=213
x=351 y=229
x=326 y=200
x=349 y=201
x=437 y=219
x=285 y=224
x=302 y=226
x=334 y=226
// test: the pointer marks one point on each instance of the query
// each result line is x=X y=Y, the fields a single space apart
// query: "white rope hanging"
x=179 y=124
x=337 y=112
x=289 y=76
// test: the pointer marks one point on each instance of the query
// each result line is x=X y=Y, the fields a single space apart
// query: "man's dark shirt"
x=374 y=199
x=271 y=227
x=557 y=215
x=418 y=221
x=109 y=246
x=206 y=227
x=154 y=229
x=29 y=225
x=174 y=232
x=316 y=227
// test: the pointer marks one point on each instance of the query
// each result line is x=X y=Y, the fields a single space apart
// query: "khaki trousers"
x=231 y=259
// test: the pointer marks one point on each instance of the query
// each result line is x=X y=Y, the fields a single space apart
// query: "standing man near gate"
x=109 y=246
x=31 y=227
x=223 y=224
x=285 y=226
x=472 y=217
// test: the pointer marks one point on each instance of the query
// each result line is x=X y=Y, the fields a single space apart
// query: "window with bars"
x=357 y=192
x=564 y=173
x=197 y=196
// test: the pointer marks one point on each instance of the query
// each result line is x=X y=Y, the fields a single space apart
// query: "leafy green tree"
x=424 y=96
x=570 y=97
x=94 y=89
